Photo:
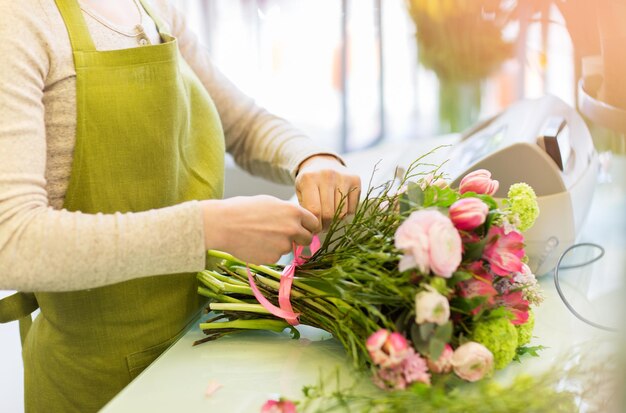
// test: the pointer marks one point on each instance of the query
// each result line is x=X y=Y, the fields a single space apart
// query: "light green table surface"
x=255 y=366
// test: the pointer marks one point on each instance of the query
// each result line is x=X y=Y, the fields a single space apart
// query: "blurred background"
x=354 y=73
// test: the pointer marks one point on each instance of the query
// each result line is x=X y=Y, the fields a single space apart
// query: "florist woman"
x=113 y=129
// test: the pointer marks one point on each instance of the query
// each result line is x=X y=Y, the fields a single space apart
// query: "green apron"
x=148 y=136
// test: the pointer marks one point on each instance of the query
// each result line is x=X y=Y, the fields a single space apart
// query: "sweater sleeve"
x=261 y=143
x=43 y=249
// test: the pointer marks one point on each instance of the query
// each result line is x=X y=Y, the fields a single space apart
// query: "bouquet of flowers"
x=427 y=283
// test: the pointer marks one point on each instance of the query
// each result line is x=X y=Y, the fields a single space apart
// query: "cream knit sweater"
x=42 y=246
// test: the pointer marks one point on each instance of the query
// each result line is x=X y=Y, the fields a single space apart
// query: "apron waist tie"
x=18 y=307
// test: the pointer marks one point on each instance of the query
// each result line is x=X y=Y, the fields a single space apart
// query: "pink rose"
x=387 y=349
x=278 y=406
x=444 y=362
x=468 y=213
x=480 y=182
x=504 y=251
x=430 y=243
x=472 y=361
x=431 y=307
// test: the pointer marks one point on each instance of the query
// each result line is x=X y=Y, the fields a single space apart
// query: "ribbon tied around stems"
x=285 y=310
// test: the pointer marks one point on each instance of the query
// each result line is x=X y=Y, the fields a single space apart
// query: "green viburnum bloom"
x=522 y=202
x=525 y=331
x=500 y=337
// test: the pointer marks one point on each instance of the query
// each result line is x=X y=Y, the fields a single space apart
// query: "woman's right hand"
x=256 y=229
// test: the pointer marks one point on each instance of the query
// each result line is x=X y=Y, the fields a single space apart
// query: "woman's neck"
x=123 y=13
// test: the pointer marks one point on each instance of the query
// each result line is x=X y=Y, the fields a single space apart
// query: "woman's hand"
x=257 y=229
x=321 y=182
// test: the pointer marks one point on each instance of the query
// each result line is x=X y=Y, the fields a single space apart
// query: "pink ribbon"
x=285 y=310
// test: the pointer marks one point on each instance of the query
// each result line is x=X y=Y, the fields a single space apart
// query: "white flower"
x=431 y=307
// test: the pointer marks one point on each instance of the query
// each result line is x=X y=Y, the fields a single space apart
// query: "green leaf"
x=491 y=216
x=459 y=276
x=474 y=250
x=444 y=332
x=430 y=196
x=415 y=194
x=532 y=351
x=426 y=330
x=295 y=334
x=420 y=345
x=435 y=348
x=445 y=197
x=321 y=285
x=487 y=199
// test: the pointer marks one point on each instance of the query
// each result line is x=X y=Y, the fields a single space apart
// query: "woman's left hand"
x=321 y=182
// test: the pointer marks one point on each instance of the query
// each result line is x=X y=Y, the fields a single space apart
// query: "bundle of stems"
x=350 y=287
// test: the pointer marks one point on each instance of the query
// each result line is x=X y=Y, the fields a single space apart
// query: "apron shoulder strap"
x=80 y=38
x=17 y=307
x=158 y=21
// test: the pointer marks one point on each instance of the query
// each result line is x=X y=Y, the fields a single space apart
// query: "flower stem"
x=271 y=325
x=249 y=308
x=218 y=297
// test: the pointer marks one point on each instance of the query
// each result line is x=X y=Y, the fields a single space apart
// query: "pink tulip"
x=278 y=406
x=430 y=242
x=480 y=182
x=504 y=251
x=444 y=362
x=468 y=213
x=472 y=361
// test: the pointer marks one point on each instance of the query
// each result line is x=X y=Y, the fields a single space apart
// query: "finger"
x=353 y=198
x=309 y=198
x=309 y=221
x=327 y=199
x=303 y=237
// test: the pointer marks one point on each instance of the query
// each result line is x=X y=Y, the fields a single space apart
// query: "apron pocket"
x=137 y=362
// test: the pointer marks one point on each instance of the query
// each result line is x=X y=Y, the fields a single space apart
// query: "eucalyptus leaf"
x=415 y=194
x=444 y=332
x=426 y=330
x=435 y=348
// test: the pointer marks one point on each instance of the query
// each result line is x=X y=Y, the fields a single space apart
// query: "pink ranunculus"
x=468 y=213
x=431 y=307
x=504 y=251
x=430 y=243
x=516 y=304
x=443 y=364
x=397 y=348
x=278 y=406
x=480 y=182
x=387 y=349
x=374 y=345
x=472 y=361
